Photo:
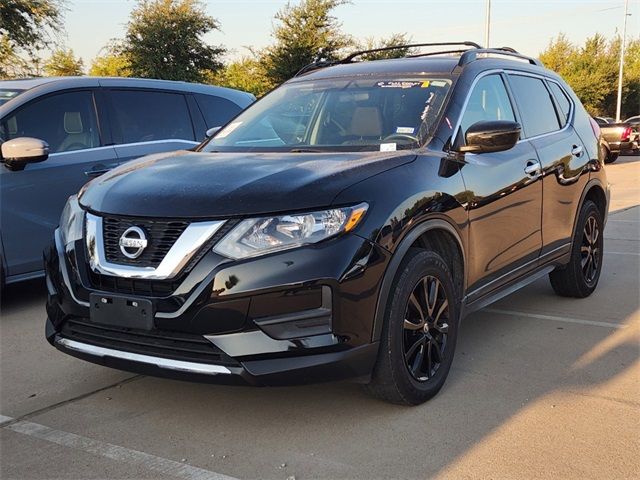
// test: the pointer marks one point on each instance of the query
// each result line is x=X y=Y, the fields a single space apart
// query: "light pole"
x=622 y=45
x=487 y=25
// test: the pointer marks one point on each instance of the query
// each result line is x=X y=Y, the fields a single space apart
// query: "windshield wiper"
x=307 y=150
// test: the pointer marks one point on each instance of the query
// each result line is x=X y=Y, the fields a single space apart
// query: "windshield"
x=337 y=115
x=6 y=95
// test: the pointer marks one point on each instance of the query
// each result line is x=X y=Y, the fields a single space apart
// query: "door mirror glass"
x=491 y=136
x=17 y=153
x=212 y=131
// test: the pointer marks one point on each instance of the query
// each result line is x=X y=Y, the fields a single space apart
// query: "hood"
x=188 y=184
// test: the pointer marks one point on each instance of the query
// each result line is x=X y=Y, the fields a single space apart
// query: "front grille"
x=134 y=286
x=158 y=343
x=161 y=235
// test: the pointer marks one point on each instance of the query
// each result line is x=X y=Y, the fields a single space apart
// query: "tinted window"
x=488 y=101
x=536 y=108
x=563 y=102
x=145 y=116
x=66 y=121
x=217 y=111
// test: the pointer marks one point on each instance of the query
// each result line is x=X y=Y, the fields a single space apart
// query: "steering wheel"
x=400 y=136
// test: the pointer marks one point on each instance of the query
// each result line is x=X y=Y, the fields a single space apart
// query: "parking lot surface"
x=541 y=387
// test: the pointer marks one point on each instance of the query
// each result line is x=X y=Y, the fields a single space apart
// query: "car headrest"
x=366 y=122
x=72 y=122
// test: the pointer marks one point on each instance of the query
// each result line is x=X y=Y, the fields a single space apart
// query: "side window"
x=535 y=105
x=66 y=121
x=217 y=111
x=488 y=101
x=145 y=116
x=563 y=102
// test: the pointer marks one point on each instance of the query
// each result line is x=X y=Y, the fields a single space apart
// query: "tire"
x=393 y=379
x=610 y=157
x=579 y=278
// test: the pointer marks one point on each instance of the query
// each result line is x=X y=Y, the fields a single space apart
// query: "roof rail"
x=349 y=59
x=396 y=47
x=467 y=55
x=471 y=55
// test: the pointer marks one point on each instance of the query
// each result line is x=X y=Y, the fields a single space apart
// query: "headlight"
x=71 y=222
x=258 y=236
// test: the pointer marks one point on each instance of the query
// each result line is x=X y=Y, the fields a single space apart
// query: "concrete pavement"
x=541 y=387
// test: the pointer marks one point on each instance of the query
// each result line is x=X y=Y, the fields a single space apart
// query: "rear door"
x=149 y=121
x=505 y=201
x=547 y=114
x=32 y=200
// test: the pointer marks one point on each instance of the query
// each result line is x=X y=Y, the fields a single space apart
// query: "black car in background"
x=341 y=227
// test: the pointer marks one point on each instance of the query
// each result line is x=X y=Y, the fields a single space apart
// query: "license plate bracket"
x=116 y=310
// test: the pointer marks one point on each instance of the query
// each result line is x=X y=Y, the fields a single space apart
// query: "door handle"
x=533 y=169
x=97 y=172
x=577 y=150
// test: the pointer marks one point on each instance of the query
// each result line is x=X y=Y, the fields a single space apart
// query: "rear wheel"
x=580 y=276
x=610 y=157
x=420 y=331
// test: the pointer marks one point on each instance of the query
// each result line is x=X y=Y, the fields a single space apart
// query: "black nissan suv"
x=340 y=227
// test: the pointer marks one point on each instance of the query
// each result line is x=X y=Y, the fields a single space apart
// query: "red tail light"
x=626 y=133
x=595 y=127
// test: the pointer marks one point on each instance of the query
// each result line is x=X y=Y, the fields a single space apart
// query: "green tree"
x=305 y=33
x=391 y=41
x=111 y=63
x=29 y=24
x=63 y=63
x=164 y=40
x=246 y=74
x=592 y=72
x=11 y=64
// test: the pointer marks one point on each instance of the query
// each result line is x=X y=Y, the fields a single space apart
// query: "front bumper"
x=353 y=364
x=298 y=316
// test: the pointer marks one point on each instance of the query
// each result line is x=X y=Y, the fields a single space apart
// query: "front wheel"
x=419 y=333
x=580 y=276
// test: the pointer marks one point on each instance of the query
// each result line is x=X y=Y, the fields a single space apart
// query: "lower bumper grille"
x=159 y=343
x=134 y=286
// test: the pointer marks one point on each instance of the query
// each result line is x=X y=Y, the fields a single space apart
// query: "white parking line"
x=634 y=254
x=114 y=452
x=554 y=318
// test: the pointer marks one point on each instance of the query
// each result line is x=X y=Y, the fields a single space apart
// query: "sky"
x=526 y=25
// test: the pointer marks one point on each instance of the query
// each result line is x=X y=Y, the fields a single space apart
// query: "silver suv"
x=83 y=127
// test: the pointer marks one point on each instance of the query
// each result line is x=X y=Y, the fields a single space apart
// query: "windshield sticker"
x=387 y=147
x=425 y=84
x=228 y=129
x=398 y=84
x=425 y=112
x=438 y=83
x=405 y=130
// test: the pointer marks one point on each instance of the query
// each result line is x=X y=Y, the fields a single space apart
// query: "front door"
x=32 y=200
x=504 y=196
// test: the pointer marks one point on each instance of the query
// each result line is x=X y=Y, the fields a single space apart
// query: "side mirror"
x=18 y=152
x=491 y=136
x=212 y=131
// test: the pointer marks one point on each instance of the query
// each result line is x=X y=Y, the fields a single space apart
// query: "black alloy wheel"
x=580 y=276
x=418 y=338
x=589 y=250
x=425 y=328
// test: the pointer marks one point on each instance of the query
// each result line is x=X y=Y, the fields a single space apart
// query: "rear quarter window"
x=564 y=104
x=535 y=105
